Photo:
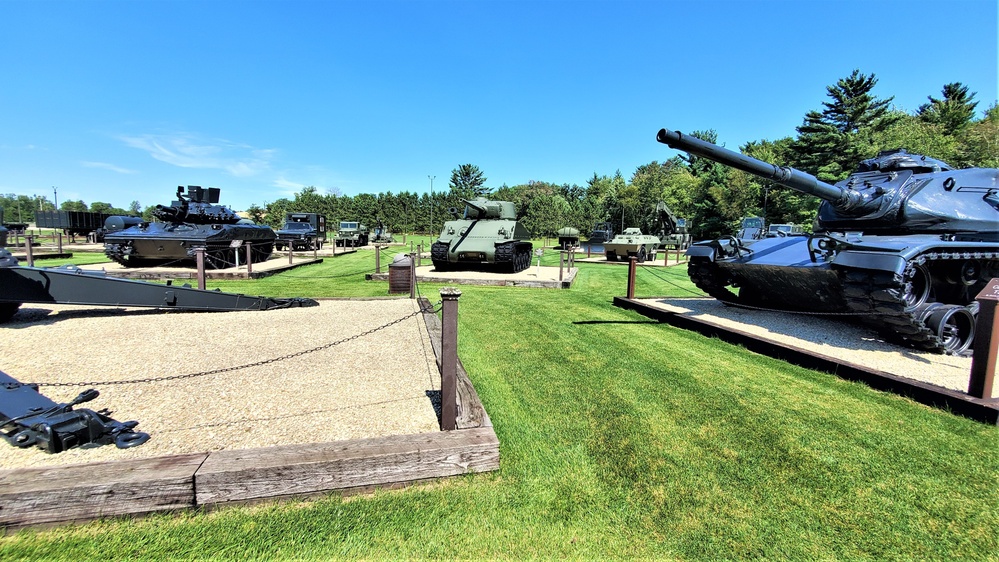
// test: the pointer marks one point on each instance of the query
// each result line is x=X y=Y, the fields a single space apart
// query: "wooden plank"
x=292 y=470
x=31 y=496
x=986 y=411
x=471 y=413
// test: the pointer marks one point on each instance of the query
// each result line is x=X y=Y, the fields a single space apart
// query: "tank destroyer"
x=904 y=244
x=195 y=220
x=488 y=234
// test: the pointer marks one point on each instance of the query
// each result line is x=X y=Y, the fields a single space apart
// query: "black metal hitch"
x=28 y=418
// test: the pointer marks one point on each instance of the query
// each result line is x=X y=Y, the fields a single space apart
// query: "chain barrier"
x=221 y=370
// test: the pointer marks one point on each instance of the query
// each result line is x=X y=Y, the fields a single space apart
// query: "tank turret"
x=892 y=192
x=904 y=243
x=195 y=220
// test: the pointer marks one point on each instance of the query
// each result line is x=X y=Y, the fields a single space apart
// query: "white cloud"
x=106 y=166
x=187 y=150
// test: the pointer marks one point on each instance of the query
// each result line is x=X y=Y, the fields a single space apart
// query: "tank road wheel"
x=708 y=278
x=8 y=310
x=954 y=325
x=915 y=286
x=611 y=255
x=261 y=252
x=641 y=255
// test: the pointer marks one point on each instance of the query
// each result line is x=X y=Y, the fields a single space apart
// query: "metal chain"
x=247 y=365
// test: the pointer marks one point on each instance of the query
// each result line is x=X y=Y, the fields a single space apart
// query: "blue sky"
x=120 y=101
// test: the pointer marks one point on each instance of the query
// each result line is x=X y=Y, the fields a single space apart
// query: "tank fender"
x=870 y=260
x=701 y=251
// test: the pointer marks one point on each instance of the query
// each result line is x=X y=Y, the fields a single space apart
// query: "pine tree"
x=829 y=142
x=954 y=112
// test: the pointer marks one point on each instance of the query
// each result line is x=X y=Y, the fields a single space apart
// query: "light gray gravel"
x=835 y=338
x=369 y=387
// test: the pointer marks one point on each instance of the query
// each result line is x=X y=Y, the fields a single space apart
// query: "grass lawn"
x=619 y=437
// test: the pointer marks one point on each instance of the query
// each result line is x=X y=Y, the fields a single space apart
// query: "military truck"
x=776 y=230
x=302 y=231
x=751 y=229
x=352 y=234
x=602 y=232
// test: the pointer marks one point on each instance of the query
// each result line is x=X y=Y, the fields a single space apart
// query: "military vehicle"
x=487 y=234
x=381 y=234
x=73 y=223
x=751 y=229
x=775 y=230
x=3 y=231
x=302 y=231
x=351 y=234
x=602 y=232
x=567 y=237
x=192 y=221
x=675 y=233
x=904 y=243
x=632 y=242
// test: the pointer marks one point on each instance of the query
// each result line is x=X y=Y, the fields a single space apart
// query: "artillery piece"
x=489 y=233
x=904 y=243
x=192 y=221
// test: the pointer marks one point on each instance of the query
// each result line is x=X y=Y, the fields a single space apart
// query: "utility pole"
x=55 y=195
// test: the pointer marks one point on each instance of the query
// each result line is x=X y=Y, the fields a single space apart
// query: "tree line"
x=853 y=124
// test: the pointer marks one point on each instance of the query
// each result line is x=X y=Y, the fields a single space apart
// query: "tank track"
x=438 y=255
x=515 y=255
x=898 y=305
x=217 y=256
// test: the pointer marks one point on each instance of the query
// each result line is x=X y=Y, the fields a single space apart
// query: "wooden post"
x=449 y=357
x=59 y=242
x=28 y=250
x=589 y=246
x=983 y=360
x=378 y=258
x=315 y=248
x=412 y=276
x=632 y=260
x=561 y=264
x=199 y=255
x=249 y=259
x=291 y=249
x=419 y=255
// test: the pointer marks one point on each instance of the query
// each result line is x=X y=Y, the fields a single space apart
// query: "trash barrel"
x=399 y=281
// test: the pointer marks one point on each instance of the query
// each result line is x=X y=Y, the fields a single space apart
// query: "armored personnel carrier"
x=488 y=234
x=904 y=243
x=195 y=220
x=632 y=242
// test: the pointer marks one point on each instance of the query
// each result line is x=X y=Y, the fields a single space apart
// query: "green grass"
x=619 y=437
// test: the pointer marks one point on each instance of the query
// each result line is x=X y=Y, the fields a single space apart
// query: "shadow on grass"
x=584 y=322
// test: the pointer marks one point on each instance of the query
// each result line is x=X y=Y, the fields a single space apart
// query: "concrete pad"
x=544 y=277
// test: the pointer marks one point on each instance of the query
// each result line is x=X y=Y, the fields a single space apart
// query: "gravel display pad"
x=839 y=339
x=372 y=386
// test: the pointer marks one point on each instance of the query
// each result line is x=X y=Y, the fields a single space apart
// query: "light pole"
x=431 y=178
x=55 y=196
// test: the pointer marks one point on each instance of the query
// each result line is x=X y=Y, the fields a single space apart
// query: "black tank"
x=192 y=221
x=904 y=243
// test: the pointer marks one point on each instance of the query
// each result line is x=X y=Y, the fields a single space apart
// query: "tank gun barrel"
x=168 y=213
x=783 y=175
